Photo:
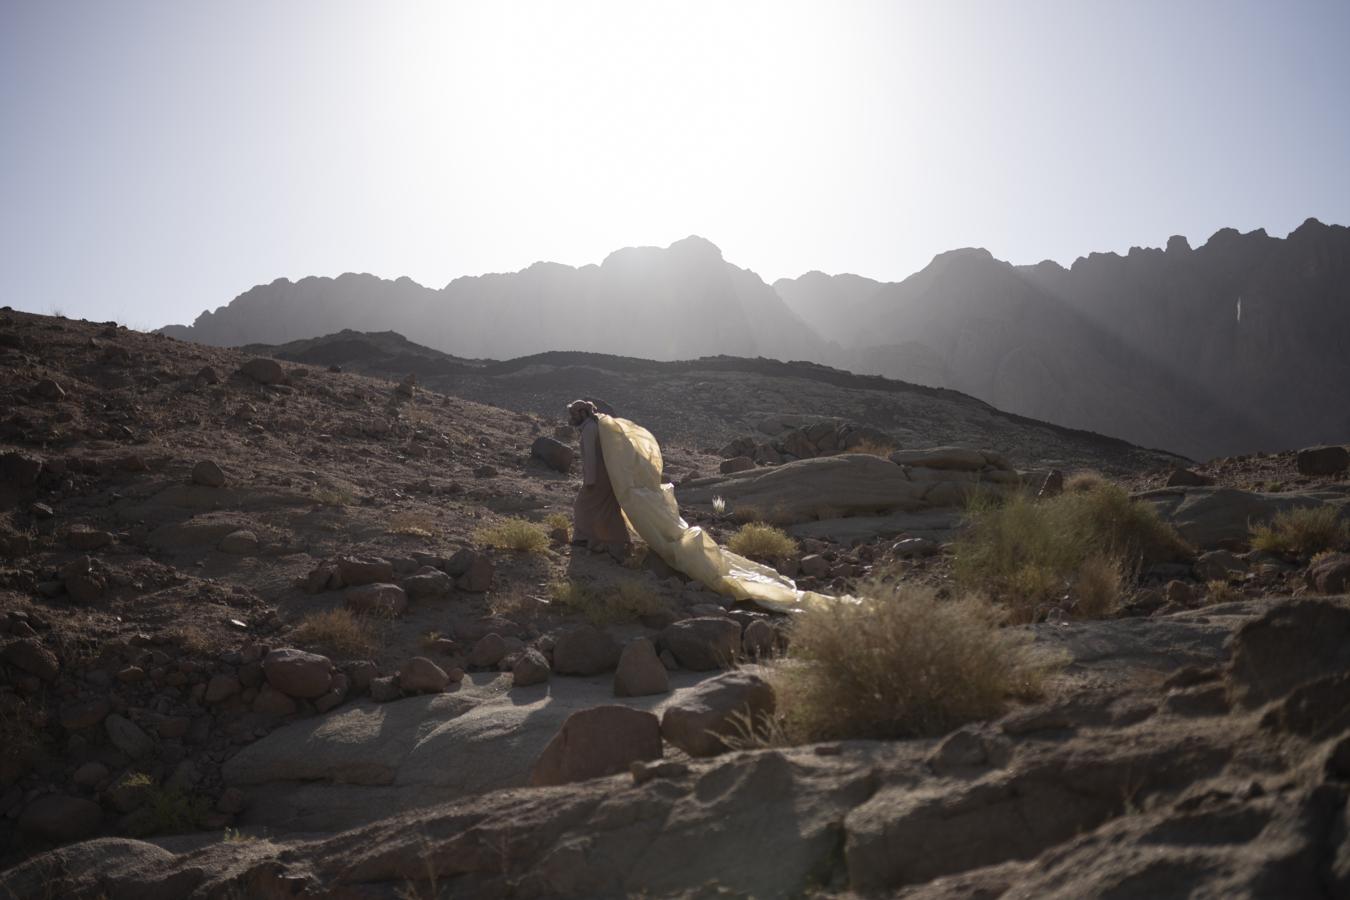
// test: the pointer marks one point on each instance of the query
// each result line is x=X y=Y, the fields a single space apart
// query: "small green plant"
x=757 y=540
x=339 y=631
x=235 y=836
x=520 y=535
x=899 y=663
x=172 y=811
x=1302 y=532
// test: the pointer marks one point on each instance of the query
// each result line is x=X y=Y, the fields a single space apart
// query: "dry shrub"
x=1302 y=532
x=191 y=639
x=514 y=604
x=1028 y=554
x=622 y=601
x=873 y=448
x=1098 y=587
x=899 y=663
x=559 y=522
x=1220 y=591
x=340 y=632
x=1084 y=482
x=520 y=535
x=414 y=524
x=334 y=497
x=763 y=542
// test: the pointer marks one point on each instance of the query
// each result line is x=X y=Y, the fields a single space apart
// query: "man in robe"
x=597 y=518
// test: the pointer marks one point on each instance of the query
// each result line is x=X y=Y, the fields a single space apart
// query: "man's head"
x=579 y=411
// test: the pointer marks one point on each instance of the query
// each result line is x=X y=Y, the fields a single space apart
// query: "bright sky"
x=158 y=158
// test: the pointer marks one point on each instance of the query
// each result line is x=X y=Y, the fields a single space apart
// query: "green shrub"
x=899 y=663
x=1303 y=532
x=520 y=535
x=1028 y=554
x=757 y=540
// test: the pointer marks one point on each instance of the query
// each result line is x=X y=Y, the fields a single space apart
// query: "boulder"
x=759 y=639
x=1209 y=517
x=954 y=458
x=128 y=737
x=296 y=673
x=420 y=675
x=529 y=668
x=736 y=464
x=1219 y=565
x=428 y=584
x=221 y=688
x=384 y=600
x=640 y=672
x=239 y=543
x=488 y=651
x=554 y=454
x=720 y=707
x=1329 y=574
x=263 y=371
x=358 y=570
x=802 y=491
x=85 y=714
x=83 y=538
x=272 y=702
x=29 y=655
x=477 y=577
x=705 y=643
x=1329 y=460
x=1292 y=643
x=814 y=565
x=1180 y=477
x=593 y=743
x=385 y=688
x=48 y=389
x=585 y=650
x=57 y=817
x=208 y=474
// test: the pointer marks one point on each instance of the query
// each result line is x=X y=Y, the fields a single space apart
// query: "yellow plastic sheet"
x=633 y=459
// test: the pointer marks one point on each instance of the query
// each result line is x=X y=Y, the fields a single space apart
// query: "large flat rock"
x=1210 y=517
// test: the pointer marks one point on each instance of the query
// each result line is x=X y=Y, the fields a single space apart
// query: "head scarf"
x=583 y=407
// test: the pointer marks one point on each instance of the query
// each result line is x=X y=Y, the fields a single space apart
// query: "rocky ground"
x=173 y=517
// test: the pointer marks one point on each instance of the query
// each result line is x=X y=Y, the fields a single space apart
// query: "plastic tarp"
x=633 y=459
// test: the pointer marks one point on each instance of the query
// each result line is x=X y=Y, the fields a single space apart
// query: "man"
x=597 y=518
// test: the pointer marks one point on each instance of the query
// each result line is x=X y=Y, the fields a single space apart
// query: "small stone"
x=29 y=655
x=477 y=577
x=208 y=474
x=718 y=708
x=420 y=675
x=296 y=673
x=48 y=389
x=239 y=543
x=432 y=584
x=85 y=714
x=592 y=743
x=585 y=650
x=759 y=639
x=640 y=672
x=90 y=775
x=222 y=687
x=554 y=454
x=358 y=570
x=263 y=371
x=128 y=737
x=529 y=668
x=736 y=464
x=271 y=701
x=488 y=651
x=815 y=566
x=56 y=817
x=84 y=539
x=384 y=689
x=644 y=772
x=704 y=643
x=384 y=600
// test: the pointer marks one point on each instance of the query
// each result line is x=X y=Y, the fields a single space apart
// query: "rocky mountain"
x=273 y=630
x=711 y=401
x=671 y=303
x=1233 y=346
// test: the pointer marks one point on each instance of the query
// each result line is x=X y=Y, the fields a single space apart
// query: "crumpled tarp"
x=633 y=459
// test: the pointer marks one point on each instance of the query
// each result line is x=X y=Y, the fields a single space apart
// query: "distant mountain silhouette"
x=1149 y=346
x=680 y=302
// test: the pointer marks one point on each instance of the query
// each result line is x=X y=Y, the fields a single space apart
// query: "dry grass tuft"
x=520 y=535
x=622 y=601
x=336 y=497
x=873 y=448
x=1098 y=587
x=899 y=663
x=1028 y=554
x=414 y=524
x=339 y=632
x=1220 y=591
x=191 y=639
x=1302 y=532
x=559 y=522
x=1084 y=482
x=762 y=542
